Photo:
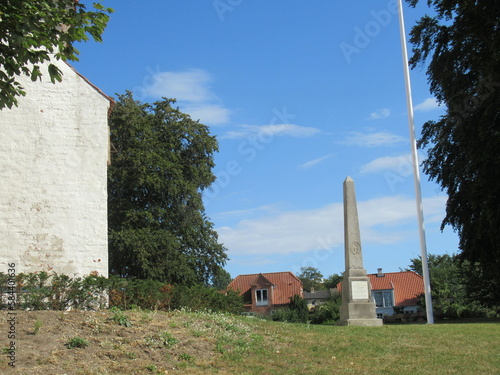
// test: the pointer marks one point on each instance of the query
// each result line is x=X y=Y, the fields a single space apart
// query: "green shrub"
x=34 y=291
x=77 y=342
x=38 y=325
x=328 y=312
x=120 y=318
x=295 y=312
x=146 y=294
x=164 y=339
x=199 y=298
x=41 y=291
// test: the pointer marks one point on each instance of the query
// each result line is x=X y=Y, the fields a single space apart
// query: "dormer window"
x=261 y=297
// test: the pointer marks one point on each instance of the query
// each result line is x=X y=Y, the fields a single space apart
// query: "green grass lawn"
x=280 y=348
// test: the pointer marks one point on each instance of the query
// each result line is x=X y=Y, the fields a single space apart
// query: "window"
x=383 y=298
x=261 y=297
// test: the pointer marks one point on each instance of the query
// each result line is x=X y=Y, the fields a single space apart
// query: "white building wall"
x=53 y=165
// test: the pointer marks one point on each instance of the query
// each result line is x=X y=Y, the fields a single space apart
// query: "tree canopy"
x=461 y=45
x=221 y=279
x=32 y=31
x=157 y=225
x=332 y=281
x=311 y=278
x=451 y=281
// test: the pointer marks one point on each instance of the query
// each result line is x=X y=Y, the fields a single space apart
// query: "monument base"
x=359 y=314
x=361 y=322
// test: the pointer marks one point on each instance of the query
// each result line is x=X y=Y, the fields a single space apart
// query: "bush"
x=285 y=314
x=295 y=312
x=204 y=298
x=88 y=293
x=328 y=312
x=41 y=291
x=120 y=318
x=77 y=342
x=33 y=291
x=146 y=294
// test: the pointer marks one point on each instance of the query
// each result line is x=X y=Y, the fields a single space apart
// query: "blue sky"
x=300 y=96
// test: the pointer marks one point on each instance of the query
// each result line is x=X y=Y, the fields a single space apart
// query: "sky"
x=300 y=95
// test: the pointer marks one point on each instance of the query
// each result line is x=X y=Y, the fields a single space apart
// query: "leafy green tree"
x=461 y=44
x=449 y=279
x=332 y=281
x=311 y=278
x=32 y=31
x=221 y=279
x=157 y=225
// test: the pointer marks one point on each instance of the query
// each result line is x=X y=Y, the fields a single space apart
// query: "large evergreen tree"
x=157 y=225
x=461 y=44
x=31 y=31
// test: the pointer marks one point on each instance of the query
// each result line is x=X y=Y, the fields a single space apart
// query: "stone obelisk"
x=357 y=308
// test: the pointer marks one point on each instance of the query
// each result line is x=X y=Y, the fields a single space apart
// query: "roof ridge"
x=397 y=273
x=267 y=273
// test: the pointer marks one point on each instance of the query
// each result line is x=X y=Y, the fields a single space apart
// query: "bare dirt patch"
x=138 y=342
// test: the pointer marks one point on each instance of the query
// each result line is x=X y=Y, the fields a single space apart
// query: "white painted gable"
x=53 y=165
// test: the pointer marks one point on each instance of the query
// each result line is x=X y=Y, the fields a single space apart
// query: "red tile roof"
x=407 y=286
x=286 y=285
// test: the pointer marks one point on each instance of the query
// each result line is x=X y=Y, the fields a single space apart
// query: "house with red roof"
x=264 y=292
x=395 y=292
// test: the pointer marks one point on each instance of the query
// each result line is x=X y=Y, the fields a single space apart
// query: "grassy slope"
x=201 y=343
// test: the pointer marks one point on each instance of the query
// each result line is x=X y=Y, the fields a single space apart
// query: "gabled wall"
x=280 y=285
x=53 y=165
x=262 y=283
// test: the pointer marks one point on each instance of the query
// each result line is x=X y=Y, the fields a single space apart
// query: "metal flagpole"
x=416 y=173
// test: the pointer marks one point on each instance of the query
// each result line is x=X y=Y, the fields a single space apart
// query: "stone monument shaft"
x=352 y=237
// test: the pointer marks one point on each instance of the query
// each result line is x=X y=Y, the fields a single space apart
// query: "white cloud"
x=372 y=139
x=314 y=162
x=191 y=85
x=269 y=209
x=402 y=164
x=192 y=90
x=392 y=163
x=380 y=114
x=284 y=233
x=291 y=130
x=382 y=221
x=428 y=104
x=208 y=113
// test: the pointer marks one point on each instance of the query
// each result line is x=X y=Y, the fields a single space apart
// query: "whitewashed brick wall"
x=53 y=165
